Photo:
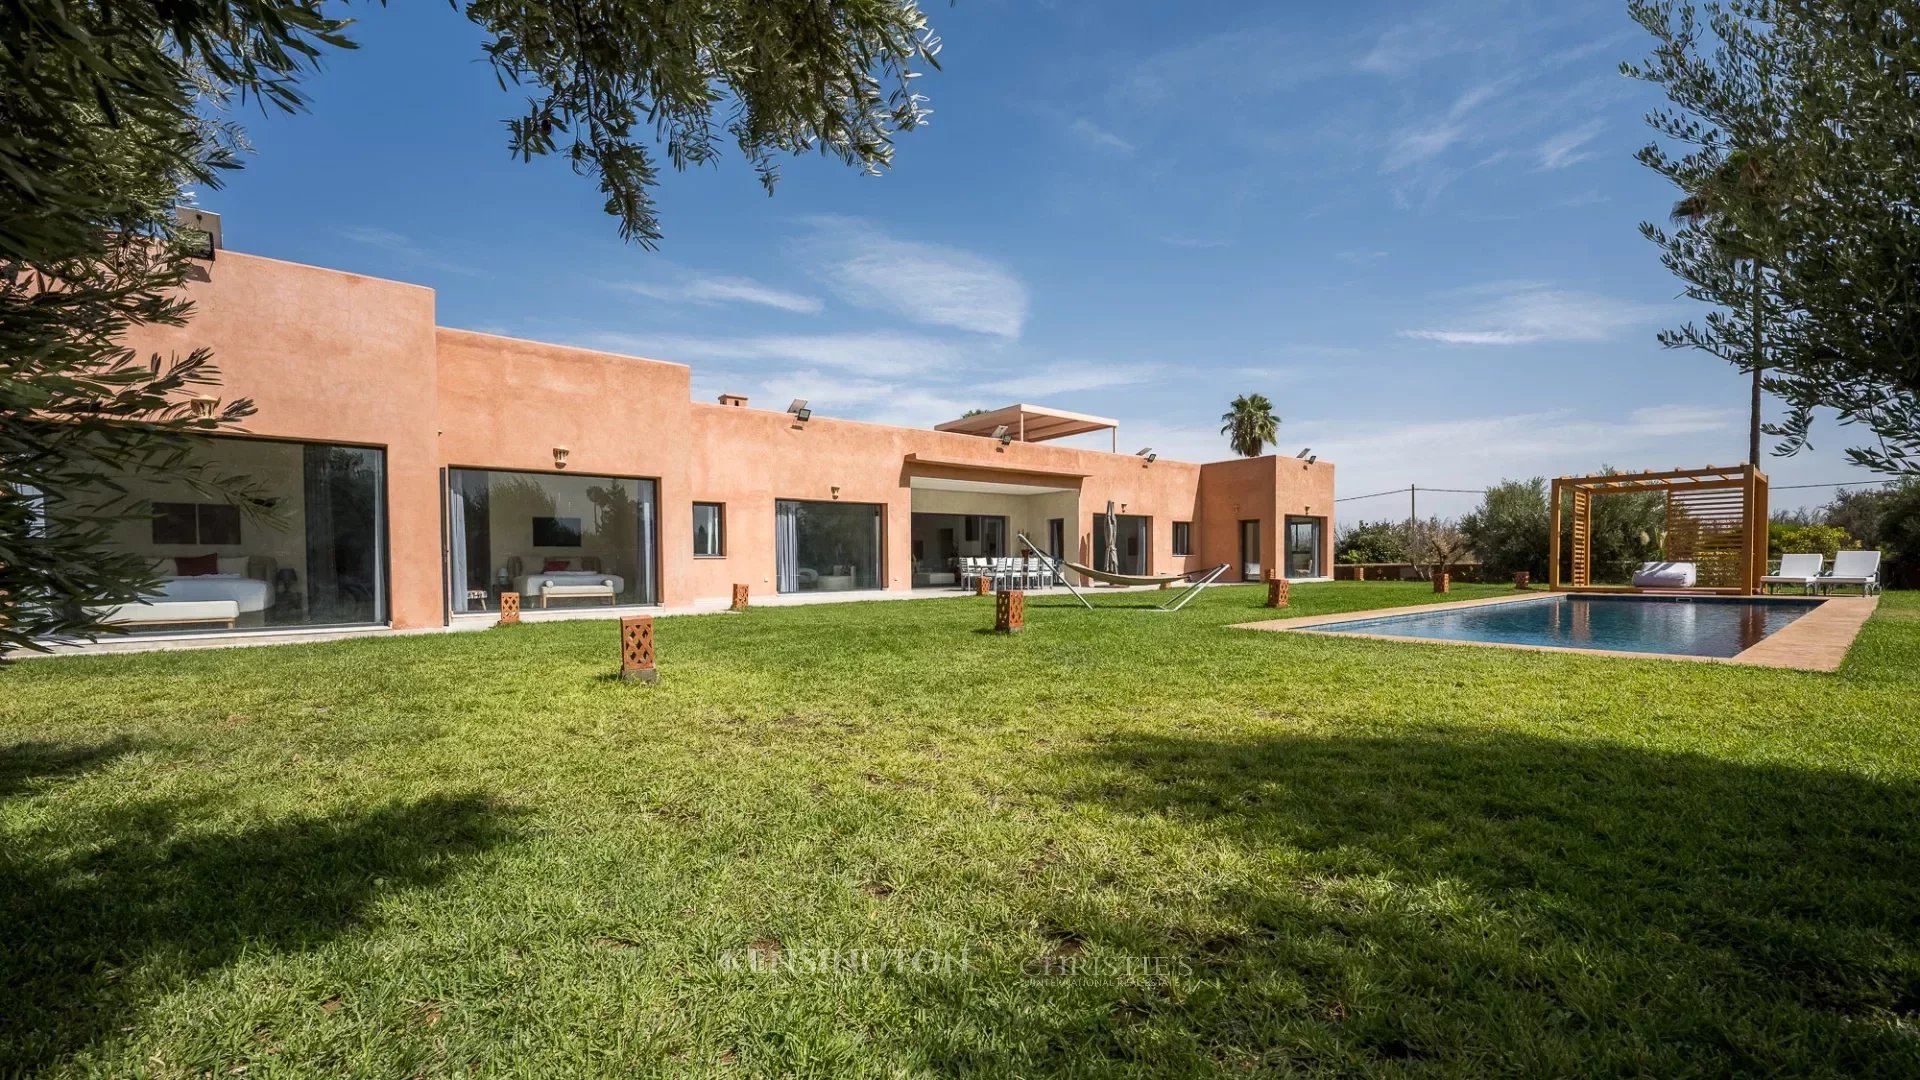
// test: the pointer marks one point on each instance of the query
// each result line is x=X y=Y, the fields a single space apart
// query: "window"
x=195 y=523
x=1057 y=537
x=1183 y=538
x=557 y=540
x=709 y=538
x=308 y=550
x=826 y=546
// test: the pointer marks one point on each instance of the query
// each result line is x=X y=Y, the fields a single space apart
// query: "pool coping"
x=1816 y=641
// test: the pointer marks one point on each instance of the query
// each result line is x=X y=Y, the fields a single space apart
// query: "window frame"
x=1182 y=531
x=720 y=530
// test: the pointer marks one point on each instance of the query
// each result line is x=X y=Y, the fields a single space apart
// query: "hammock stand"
x=1200 y=579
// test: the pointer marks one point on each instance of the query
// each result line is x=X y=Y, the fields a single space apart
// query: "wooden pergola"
x=1716 y=520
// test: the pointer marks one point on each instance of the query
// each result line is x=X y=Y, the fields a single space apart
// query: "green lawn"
x=873 y=839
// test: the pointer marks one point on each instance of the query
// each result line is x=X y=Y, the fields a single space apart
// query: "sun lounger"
x=1799 y=569
x=1860 y=568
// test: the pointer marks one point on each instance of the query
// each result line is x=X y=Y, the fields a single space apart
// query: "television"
x=556 y=532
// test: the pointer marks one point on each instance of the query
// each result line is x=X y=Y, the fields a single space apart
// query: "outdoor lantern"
x=560 y=457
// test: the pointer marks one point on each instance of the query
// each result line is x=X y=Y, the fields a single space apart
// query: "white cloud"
x=710 y=289
x=1657 y=421
x=1565 y=148
x=1475 y=96
x=1406 y=46
x=404 y=248
x=877 y=401
x=1416 y=146
x=1527 y=313
x=1070 y=378
x=1198 y=243
x=1422 y=143
x=1252 y=62
x=870 y=354
x=1095 y=135
x=927 y=283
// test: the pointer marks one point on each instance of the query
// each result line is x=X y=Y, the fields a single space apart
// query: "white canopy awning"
x=1029 y=423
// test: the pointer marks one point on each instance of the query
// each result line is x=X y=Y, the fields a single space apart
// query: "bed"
x=251 y=594
x=1664 y=575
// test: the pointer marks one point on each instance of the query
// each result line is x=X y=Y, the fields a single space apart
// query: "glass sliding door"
x=1303 y=546
x=826 y=546
x=1250 y=550
x=307 y=549
x=559 y=540
x=940 y=541
x=1129 y=551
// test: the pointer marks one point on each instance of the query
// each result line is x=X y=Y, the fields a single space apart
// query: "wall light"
x=1004 y=434
x=836 y=491
x=560 y=457
x=1312 y=459
x=1151 y=458
x=204 y=407
x=800 y=411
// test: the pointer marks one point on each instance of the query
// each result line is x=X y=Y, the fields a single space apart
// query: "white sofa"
x=571 y=584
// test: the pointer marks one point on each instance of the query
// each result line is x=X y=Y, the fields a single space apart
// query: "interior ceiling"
x=936 y=483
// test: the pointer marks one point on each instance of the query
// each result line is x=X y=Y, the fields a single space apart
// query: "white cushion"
x=577 y=589
x=233 y=564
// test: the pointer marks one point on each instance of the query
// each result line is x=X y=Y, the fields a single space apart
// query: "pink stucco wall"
x=345 y=358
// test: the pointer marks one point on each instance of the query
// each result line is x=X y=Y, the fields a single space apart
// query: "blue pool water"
x=1676 y=625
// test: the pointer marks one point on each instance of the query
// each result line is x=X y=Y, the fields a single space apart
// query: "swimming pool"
x=1671 y=625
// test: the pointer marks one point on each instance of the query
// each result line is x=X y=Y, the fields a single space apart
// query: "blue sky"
x=1412 y=226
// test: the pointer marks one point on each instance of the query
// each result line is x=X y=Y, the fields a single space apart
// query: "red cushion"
x=554 y=565
x=196 y=565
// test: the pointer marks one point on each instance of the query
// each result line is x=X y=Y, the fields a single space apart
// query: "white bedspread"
x=251 y=594
x=530 y=585
x=1664 y=575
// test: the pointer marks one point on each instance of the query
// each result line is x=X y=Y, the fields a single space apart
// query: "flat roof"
x=915 y=462
x=1029 y=423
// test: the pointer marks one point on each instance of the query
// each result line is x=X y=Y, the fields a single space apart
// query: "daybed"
x=1664 y=575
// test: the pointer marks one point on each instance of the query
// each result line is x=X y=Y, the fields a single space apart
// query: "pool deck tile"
x=1816 y=641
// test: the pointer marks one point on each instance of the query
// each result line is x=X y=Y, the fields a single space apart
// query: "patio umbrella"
x=1113 y=547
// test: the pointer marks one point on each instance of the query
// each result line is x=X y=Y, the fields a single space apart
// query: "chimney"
x=738 y=401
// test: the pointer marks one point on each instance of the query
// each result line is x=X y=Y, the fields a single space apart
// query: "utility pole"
x=1413 y=505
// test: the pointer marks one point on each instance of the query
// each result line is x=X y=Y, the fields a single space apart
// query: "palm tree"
x=1250 y=424
x=1741 y=181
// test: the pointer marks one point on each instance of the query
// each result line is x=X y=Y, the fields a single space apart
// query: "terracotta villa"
x=417 y=472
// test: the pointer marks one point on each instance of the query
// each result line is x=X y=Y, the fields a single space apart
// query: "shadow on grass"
x=23 y=764
x=1456 y=902
x=126 y=905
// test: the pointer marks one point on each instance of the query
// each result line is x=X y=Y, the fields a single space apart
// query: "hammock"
x=1123 y=579
x=1202 y=578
